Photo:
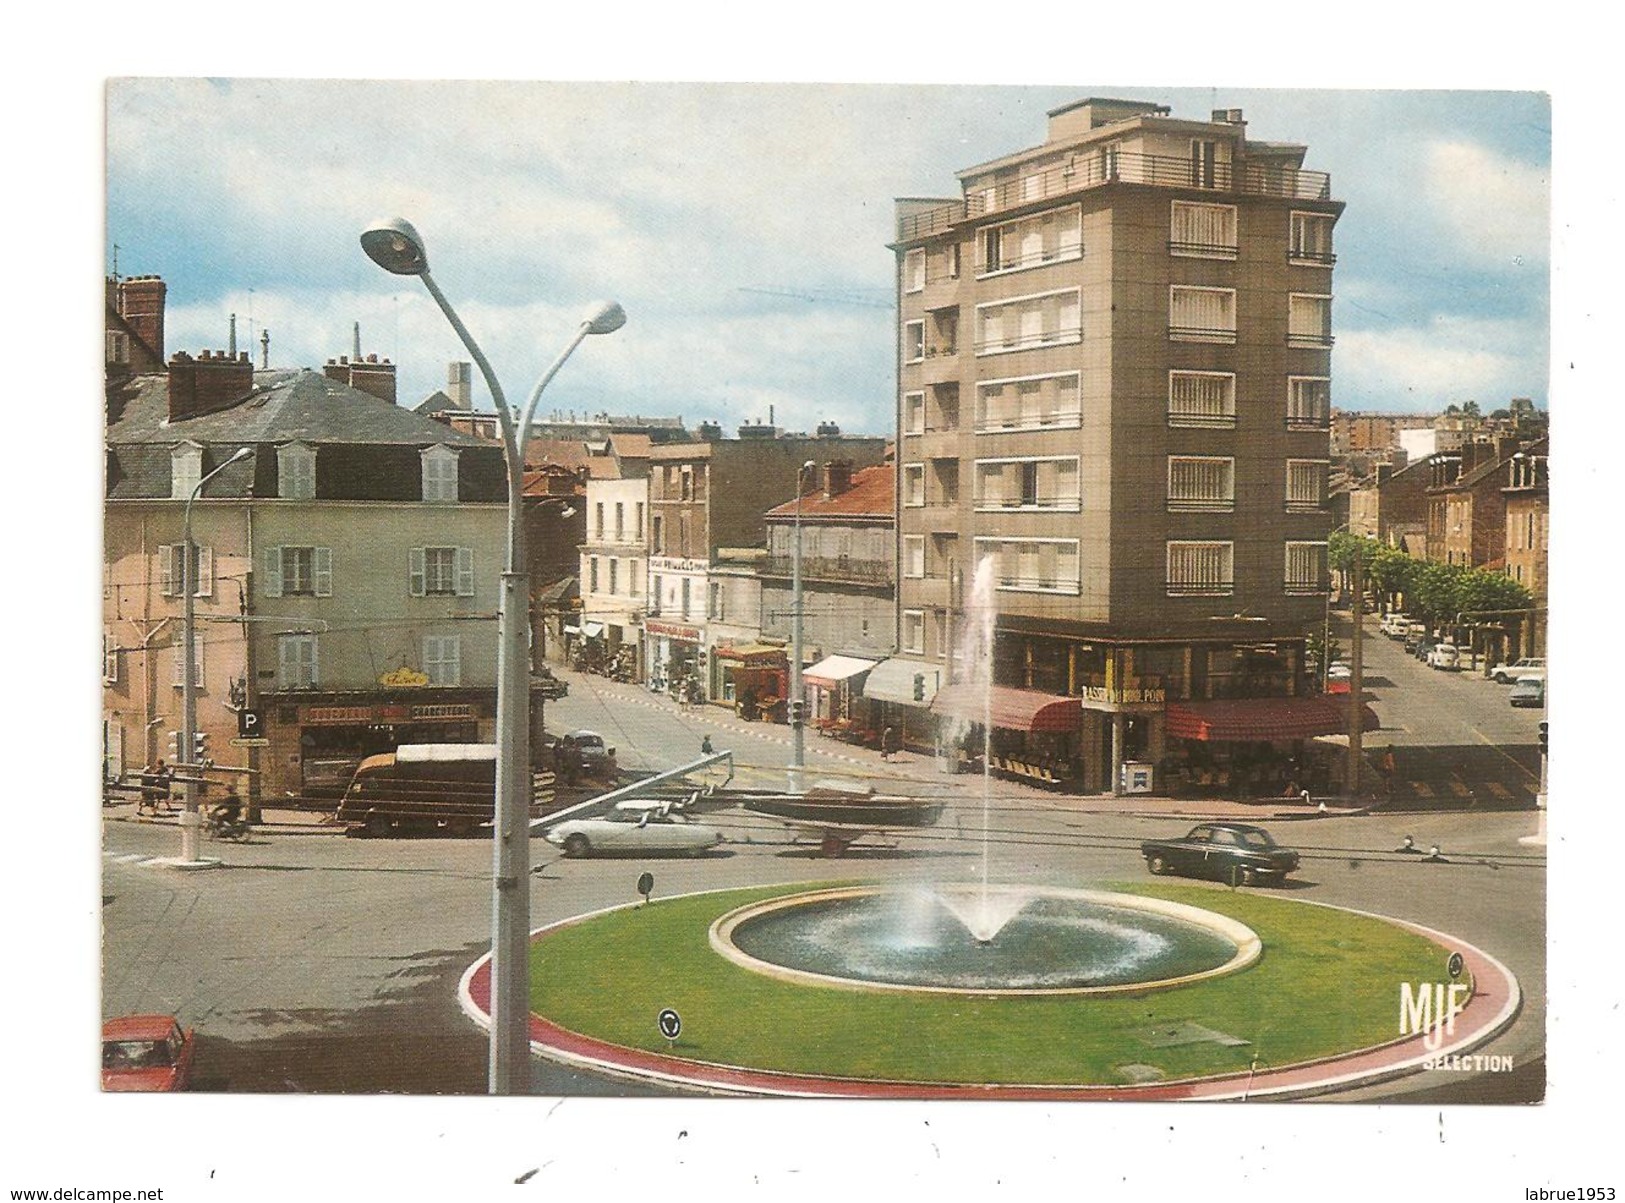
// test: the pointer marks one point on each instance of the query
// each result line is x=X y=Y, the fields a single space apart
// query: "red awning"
x=1238 y=720
x=1009 y=708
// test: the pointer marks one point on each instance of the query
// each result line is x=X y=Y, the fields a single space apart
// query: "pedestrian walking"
x=888 y=743
x=1387 y=768
x=705 y=746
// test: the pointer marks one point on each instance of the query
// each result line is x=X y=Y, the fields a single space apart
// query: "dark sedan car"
x=1238 y=853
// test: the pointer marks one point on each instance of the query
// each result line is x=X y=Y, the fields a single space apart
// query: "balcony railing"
x=1201 y=588
x=1310 y=258
x=1308 y=422
x=1202 y=334
x=1201 y=505
x=1021 y=342
x=1201 y=418
x=1160 y=171
x=1313 y=340
x=1305 y=506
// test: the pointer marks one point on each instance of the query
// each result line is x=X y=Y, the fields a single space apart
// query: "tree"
x=1470 y=410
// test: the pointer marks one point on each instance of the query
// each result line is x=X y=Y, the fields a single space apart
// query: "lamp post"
x=798 y=704
x=397 y=247
x=187 y=749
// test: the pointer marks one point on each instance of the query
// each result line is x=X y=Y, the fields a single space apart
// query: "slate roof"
x=376 y=444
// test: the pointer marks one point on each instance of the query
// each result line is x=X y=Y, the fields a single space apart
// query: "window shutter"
x=166 y=570
x=115 y=750
x=273 y=572
x=109 y=656
x=465 y=572
x=415 y=572
x=324 y=571
x=205 y=572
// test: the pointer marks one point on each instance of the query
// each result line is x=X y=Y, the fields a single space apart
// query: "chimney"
x=355 y=346
x=460 y=384
x=837 y=477
x=369 y=375
x=141 y=304
x=265 y=348
x=231 y=339
x=205 y=385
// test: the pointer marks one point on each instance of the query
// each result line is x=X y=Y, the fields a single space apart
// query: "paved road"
x=317 y=963
x=1458 y=743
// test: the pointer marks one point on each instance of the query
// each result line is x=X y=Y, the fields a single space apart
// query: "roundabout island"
x=1149 y=991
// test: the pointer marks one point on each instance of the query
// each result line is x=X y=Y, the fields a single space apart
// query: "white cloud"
x=1448 y=359
x=1494 y=209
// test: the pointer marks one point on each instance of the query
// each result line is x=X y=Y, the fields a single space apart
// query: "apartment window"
x=659 y=531
x=913 y=485
x=913 y=413
x=1201 y=484
x=914 y=556
x=1204 y=399
x=654 y=593
x=1204 y=163
x=713 y=607
x=1308 y=402
x=913 y=342
x=682 y=534
x=592 y=575
x=172 y=570
x=441 y=571
x=598 y=520
x=1309 y=320
x=1032 y=241
x=634 y=578
x=439 y=474
x=620 y=522
x=638 y=510
x=1203 y=231
x=687 y=476
x=1306 y=485
x=296 y=662
x=1029 y=403
x=1201 y=315
x=1111 y=160
x=443 y=659
x=1032 y=565
x=179 y=647
x=914 y=270
x=296 y=472
x=109 y=656
x=1028 y=484
x=614 y=575
x=947 y=262
x=1042 y=320
x=1311 y=239
x=185 y=470
x=299 y=572
x=1201 y=569
x=912 y=636
x=688 y=595
x=1306 y=568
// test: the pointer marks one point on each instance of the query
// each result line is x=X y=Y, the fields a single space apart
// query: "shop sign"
x=447 y=711
x=672 y=630
x=403 y=676
x=1129 y=696
x=676 y=564
x=336 y=716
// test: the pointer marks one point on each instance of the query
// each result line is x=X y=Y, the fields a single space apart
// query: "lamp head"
x=604 y=317
x=240 y=454
x=396 y=246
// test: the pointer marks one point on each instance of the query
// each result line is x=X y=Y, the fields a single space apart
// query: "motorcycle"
x=226 y=825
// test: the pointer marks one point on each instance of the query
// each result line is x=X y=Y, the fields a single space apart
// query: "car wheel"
x=1157 y=865
x=377 y=824
x=1249 y=876
x=577 y=845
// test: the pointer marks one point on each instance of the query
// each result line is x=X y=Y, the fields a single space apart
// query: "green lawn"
x=1328 y=982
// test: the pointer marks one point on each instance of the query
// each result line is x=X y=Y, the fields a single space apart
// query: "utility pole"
x=1357 y=681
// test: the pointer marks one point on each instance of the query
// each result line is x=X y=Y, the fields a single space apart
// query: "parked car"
x=1528 y=691
x=146 y=1052
x=1395 y=625
x=1414 y=634
x=1239 y=853
x=1339 y=677
x=544 y=684
x=1529 y=666
x=1445 y=656
x=643 y=831
x=1424 y=647
x=584 y=754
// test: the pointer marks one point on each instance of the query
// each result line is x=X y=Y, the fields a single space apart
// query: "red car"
x=146 y=1052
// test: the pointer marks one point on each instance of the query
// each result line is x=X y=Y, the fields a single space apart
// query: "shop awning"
x=569 y=630
x=1009 y=708
x=1252 y=720
x=893 y=681
x=751 y=653
x=832 y=670
x=592 y=629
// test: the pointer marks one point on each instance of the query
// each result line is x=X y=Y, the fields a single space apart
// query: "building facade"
x=614 y=569
x=1114 y=384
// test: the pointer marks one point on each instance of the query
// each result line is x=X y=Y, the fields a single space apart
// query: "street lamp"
x=186 y=748
x=798 y=705
x=397 y=247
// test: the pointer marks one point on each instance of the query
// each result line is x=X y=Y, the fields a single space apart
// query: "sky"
x=744 y=228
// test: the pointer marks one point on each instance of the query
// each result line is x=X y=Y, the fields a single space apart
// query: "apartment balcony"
x=1201 y=505
x=1315 y=506
x=1316 y=340
x=941 y=365
x=1060 y=336
x=1308 y=422
x=1095 y=171
x=1205 y=419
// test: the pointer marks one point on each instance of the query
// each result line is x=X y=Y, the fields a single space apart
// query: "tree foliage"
x=1434 y=593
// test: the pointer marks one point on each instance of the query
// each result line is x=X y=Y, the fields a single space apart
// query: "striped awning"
x=751 y=653
x=1009 y=708
x=1259 y=720
x=832 y=670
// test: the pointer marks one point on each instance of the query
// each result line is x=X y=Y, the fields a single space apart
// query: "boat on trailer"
x=840 y=814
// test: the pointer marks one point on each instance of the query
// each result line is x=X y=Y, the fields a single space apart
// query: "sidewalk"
x=272 y=819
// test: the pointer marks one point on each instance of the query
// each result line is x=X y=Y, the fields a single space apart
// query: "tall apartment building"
x=1114 y=381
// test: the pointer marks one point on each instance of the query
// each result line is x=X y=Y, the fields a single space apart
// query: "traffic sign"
x=250 y=725
x=646 y=885
x=670 y=1024
x=1455 y=965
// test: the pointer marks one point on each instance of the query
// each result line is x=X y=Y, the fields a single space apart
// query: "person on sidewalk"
x=889 y=743
x=1387 y=768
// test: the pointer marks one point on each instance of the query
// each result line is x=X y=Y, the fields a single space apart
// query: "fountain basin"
x=1006 y=941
